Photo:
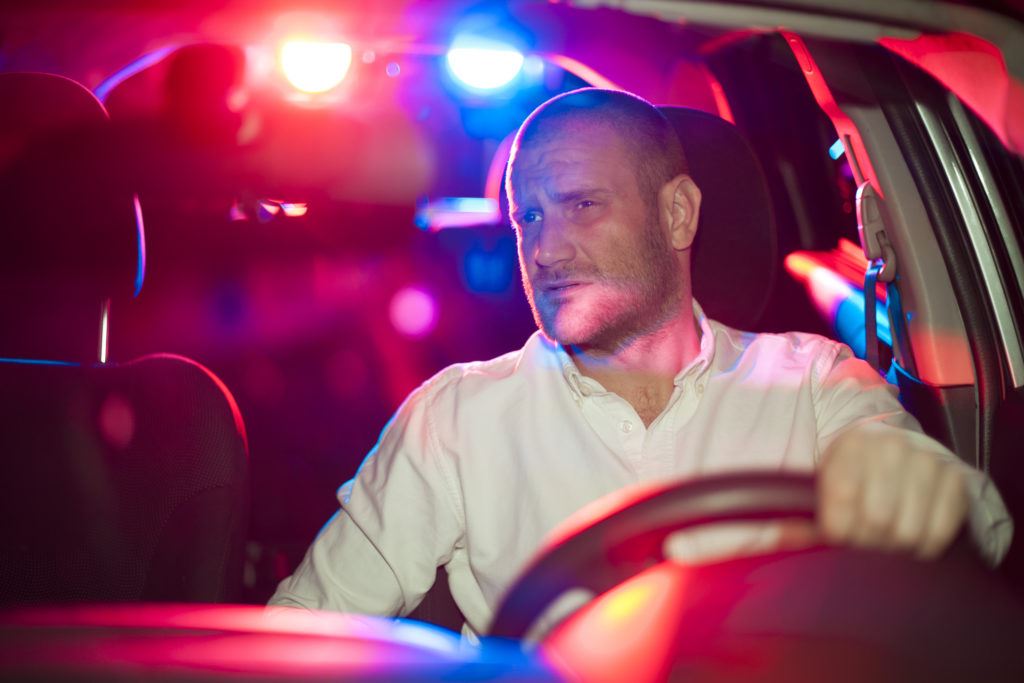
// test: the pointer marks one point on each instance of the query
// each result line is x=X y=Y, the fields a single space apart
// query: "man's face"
x=597 y=266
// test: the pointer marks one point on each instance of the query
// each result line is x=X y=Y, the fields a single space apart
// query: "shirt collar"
x=582 y=385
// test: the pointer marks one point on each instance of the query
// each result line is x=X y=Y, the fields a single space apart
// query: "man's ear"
x=679 y=207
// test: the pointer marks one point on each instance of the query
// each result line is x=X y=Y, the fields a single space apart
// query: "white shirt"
x=485 y=458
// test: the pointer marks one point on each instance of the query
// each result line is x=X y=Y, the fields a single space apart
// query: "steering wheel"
x=885 y=615
x=607 y=549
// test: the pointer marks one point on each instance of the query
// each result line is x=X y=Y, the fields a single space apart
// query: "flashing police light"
x=315 y=67
x=482 y=65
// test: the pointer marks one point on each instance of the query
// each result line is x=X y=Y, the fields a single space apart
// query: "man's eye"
x=530 y=217
x=585 y=204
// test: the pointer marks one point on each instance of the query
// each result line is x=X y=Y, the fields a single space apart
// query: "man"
x=627 y=381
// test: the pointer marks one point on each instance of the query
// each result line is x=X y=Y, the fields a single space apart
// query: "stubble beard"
x=636 y=297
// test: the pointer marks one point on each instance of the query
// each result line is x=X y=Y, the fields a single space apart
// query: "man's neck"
x=643 y=370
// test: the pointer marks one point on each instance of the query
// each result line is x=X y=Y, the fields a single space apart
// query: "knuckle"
x=875 y=520
x=906 y=537
x=839 y=492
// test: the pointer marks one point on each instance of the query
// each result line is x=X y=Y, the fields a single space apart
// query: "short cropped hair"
x=649 y=136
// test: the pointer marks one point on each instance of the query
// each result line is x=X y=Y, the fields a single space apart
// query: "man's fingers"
x=915 y=507
x=880 y=495
x=946 y=513
x=875 y=490
x=839 y=495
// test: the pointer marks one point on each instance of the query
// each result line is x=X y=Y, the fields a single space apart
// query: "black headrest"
x=70 y=235
x=736 y=253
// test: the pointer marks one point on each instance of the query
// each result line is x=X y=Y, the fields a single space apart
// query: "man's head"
x=605 y=215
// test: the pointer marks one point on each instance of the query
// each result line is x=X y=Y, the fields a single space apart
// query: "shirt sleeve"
x=849 y=393
x=397 y=523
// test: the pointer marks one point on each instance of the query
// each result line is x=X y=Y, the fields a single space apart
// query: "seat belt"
x=881 y=267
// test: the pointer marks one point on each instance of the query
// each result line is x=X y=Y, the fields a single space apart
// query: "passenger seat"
x=119 y=481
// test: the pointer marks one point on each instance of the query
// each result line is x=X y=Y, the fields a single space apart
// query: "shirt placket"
x=664 y=442
x=618 y=426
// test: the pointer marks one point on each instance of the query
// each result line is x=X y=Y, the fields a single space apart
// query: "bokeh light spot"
x=294 y=209
x=483 y=65
x=413 y=312
x=315 y=67
x=117 y=421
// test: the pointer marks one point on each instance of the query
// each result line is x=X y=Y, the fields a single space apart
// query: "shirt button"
x=626 y=426
x=700 y=389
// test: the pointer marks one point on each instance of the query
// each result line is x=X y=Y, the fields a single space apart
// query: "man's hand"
x=877 y=490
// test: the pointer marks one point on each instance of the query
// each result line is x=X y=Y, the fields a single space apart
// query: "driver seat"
x=735 y=253
x=121 y=481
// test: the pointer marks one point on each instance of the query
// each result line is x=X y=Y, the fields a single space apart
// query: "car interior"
x=236 y=235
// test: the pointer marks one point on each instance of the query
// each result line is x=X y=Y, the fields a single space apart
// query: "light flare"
x=483 y=65
x=315 y=67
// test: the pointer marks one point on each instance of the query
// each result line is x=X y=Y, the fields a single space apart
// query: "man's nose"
x=553 y=245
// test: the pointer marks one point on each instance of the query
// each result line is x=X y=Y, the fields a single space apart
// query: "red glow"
x=347 y=374
x=263 y=381
x=848 y=133
x=241 y=639
x=117 y=421
x=975 y=70
x=315 y=67
x=825 y=287
x=496 y=171
x=294 y=209
x=586 y=73
x=627 y=634
x=724 y=110
x=846 y=263
x=236 y=414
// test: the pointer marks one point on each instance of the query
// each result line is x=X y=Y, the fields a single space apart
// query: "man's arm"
x=399 y=520
x=885 y=484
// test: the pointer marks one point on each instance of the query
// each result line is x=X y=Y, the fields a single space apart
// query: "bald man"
x=626 y=381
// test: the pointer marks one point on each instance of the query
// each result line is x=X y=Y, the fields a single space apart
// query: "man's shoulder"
x=476 y=380
x=803 y=349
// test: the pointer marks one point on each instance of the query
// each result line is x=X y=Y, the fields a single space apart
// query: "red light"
x=315 y=67
x=294 y=209
x=117 y=421
x=627 y=634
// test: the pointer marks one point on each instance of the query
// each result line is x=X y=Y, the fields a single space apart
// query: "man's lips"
x=562 y=286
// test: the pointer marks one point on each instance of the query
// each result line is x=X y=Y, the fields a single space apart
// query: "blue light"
x=836 y=150
x=140 y=239
x=144 y=62
x=457 y=212
x=33 y=361
x=482 y=65
x=489 y=271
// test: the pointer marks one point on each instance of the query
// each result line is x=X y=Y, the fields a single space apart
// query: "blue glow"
x=144 y=62
x=489 y=271
x=849 y=323
x=836 y=150
x=457 y=212
x=140 y=268
x=482 y=65
x=33 y=361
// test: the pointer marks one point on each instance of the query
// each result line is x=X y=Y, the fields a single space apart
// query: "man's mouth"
x=562 y=286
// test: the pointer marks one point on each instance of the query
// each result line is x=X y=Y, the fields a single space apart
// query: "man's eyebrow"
x=577 y=194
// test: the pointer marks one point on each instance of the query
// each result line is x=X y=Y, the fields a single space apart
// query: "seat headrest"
x=70 y=236
x=735 y=257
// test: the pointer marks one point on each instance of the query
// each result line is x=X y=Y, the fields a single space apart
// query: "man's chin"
x=567 y=333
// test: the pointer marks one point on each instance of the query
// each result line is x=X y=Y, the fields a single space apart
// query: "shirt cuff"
x=987 y=517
